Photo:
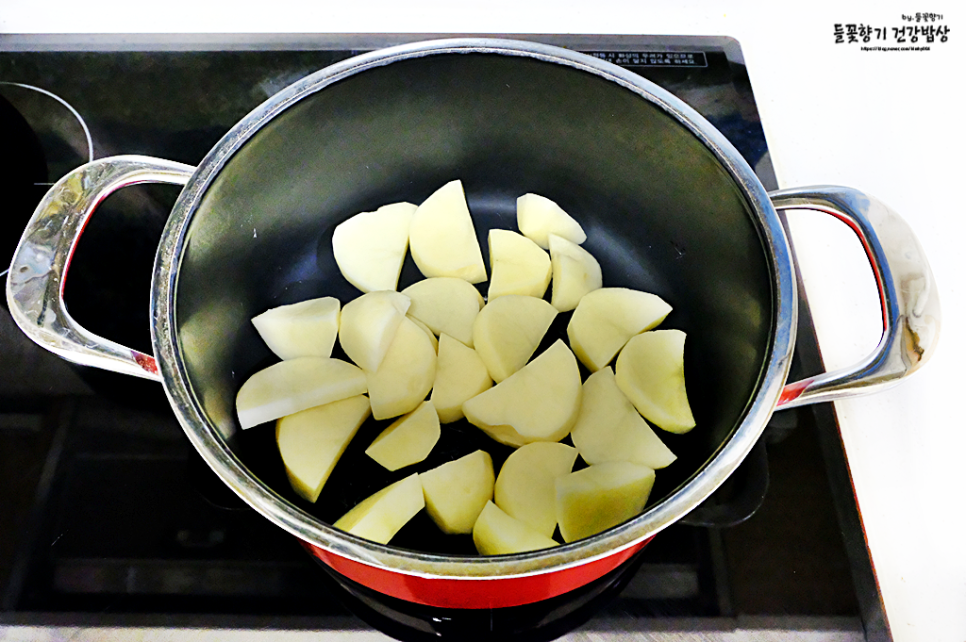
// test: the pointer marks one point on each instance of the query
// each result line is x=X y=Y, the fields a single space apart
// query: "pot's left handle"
x=35 y=281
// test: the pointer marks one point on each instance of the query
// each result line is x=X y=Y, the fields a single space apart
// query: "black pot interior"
x=660 y=212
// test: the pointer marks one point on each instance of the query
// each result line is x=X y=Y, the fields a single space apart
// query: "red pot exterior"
x=474 y=593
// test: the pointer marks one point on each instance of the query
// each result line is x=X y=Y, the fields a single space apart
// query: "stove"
x=110 y=519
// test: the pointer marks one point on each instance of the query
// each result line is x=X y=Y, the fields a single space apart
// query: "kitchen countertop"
x=886 y=122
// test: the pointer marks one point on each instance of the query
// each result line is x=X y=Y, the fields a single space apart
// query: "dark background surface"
x=69 y=527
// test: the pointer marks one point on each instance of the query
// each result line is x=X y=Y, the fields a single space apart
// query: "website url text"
x=895 y=48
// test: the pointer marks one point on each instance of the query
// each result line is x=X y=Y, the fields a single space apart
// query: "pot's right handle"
x=907 y=292
x=35 y=282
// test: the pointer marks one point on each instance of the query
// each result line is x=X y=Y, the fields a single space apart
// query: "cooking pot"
x=668 y=204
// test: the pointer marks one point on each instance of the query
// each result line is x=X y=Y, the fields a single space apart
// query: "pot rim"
x=213 y=447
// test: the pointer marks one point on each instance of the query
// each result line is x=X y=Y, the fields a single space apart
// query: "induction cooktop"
x=111 y=519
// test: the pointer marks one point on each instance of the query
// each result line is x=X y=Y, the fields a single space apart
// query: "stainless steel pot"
x=669 y=206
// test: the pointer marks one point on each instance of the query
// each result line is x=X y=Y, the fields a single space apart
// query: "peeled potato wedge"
x=406 y=374
x=368 y=325
x=496 y=533
x=650 y=371
x=605 y=319
x=601 y=496
x=525 y=488
x=293 y=385
x=408 y=440
x=508 y=330
x=538 y=217
x=460 y=375
x=312 y=441
x=370 y=247
x=575 y=273
x=457 y=491
x=517 y=265
x=538 y=403
x=380 y=516
x=442 y=237
x=305 y=329
x=446 y=305
x=609 y=428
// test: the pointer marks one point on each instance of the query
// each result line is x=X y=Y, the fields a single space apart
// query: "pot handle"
x=907 y=292
x=35 y=282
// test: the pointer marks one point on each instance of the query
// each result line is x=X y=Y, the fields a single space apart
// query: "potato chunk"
x=575 y=273
x=456 y=492
x=538 y=217
x=312 y=441
x=409 y=439
x=446 y=305
x=370 y=247
x=538 y=403
x=296 y=384
x=405 y=376
x=517 y=265
x=650 y=371
x=368 y=325
x=601 y=496
x=496 y=533
x=609 y=428
x=607 y=318
x=525 y=487
x=460 y=375
x=508 y=330
x=380 y=516
x=442 y=237
x=305 y=329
